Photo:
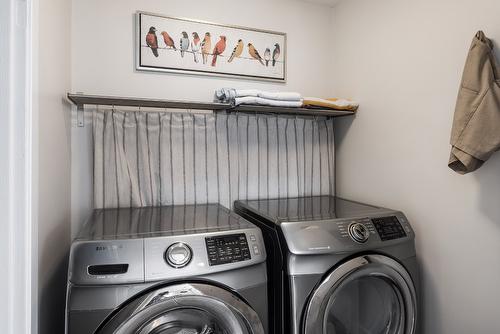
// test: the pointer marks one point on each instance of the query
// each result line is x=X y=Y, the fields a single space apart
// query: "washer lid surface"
x=188 y=309
x=132 y=223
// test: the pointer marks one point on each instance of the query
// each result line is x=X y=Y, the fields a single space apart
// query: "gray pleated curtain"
x=162 y=158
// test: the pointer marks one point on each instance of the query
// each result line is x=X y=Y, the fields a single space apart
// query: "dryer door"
x=371 y=294
x=185 y=309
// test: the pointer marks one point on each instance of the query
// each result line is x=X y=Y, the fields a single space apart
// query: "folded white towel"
x=282 y=96
x=229 y=94
x=266 y=102
x=244 y=92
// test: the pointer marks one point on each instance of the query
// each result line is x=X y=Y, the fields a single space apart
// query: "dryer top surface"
x=310 y=209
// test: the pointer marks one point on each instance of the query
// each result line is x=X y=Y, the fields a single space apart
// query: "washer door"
x=371 y=294
x=186 y=309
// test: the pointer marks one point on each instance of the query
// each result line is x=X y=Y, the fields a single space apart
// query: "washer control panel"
x=151 y=259
x=230 y=248
x=175 y=256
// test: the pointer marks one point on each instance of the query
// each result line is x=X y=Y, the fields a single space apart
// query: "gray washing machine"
x=198 y=269
x=337 y=266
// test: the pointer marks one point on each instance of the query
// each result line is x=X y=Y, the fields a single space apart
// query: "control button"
x=358 y=232
x=252 y=237
x=256 y=250
x=178 y=255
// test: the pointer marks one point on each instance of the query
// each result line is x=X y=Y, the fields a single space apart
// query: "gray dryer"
x=337 y=266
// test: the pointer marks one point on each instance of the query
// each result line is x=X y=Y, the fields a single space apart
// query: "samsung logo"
x=108 y=248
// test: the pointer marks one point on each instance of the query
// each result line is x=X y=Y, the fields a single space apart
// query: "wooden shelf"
x=81 y=99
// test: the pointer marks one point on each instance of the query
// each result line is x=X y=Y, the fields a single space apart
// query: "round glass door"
x=185 y=309
x=367 y=305
x=188 y=321
x=371 y=294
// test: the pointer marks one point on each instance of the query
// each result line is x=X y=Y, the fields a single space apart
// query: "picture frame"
x=188 y=46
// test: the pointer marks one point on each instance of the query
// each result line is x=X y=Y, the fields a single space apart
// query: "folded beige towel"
x=336 y=104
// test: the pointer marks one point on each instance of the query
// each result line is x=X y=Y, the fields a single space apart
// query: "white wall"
x=103 y=60
x=53 y=72
x=103 y=46
x=403 y=60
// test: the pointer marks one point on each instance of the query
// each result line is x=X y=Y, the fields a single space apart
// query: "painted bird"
x=206 y=47
x=152 y=40
x=184 y=43
x=169 y=42
x=254 y=53
x=195 y=46
x=267 y=56
x=276 y=53
x=219 y=49
x=238 y=49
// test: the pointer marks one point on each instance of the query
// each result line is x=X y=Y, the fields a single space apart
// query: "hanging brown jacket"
x=475 y=135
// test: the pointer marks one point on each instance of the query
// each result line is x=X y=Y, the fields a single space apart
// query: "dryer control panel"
x=347 y=235
x=360 y=230
x=389 y=228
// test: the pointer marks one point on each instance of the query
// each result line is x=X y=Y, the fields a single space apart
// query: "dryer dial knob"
x=358 y=232
x=178 y=255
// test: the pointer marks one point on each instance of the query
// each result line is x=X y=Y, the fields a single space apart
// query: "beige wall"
x=403 y=60
x=53 y=73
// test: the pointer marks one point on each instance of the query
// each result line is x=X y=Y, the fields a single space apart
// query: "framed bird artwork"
x=169 y=44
